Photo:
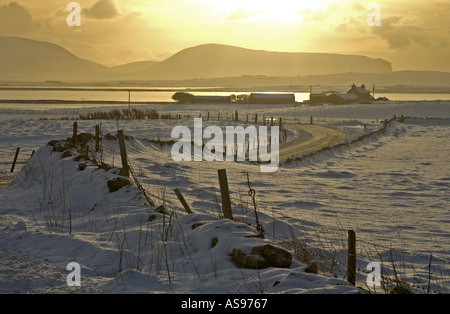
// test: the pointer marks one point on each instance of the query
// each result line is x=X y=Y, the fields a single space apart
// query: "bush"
x=183 y=97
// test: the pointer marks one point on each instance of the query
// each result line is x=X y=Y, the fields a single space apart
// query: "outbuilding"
x=211 y=99
x=271 y=98
x=182 y=97
x=318 y=98
x=342 y=99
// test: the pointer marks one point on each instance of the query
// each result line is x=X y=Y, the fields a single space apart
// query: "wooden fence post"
x=75 y=133
x=225 y=193
x=123 y=154
x=351 y=267
x=15 y=159
x=183 y=201
x=97 y=138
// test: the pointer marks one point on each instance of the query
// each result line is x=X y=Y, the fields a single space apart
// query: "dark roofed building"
x=264 y=98
x=318 y=98
x=182 y=97
x=211 y=99
x=342 y=99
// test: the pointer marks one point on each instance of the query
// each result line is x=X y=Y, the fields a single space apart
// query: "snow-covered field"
x=392 y=189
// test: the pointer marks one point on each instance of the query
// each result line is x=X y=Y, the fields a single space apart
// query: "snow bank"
x=53 y=214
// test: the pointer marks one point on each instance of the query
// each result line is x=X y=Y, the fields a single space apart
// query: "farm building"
x=318 y=98
x=341 y=99
x=211 y=99
x=361 y=92
x=355 y=94
x=264 y=98
x=189 y=98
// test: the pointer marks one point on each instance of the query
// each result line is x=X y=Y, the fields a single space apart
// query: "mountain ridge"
x=27 y=59
x=216 y=60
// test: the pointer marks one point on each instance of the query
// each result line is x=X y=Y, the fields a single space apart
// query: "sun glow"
x=270 y=10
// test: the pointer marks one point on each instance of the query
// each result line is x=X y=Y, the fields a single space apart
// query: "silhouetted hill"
x=213 y=60
x=209 y=65
x=133 y=67
x=25 y=59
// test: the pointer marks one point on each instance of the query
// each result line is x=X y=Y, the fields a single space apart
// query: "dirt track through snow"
x=319 y=137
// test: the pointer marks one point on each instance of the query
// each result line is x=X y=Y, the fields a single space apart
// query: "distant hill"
x=25 y=59
x=213 y=60
x=133 y=67
x=209 y=65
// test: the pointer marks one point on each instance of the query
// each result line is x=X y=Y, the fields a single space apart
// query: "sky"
x=413 y=35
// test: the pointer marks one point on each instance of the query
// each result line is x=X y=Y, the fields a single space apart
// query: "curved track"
x=319 y=137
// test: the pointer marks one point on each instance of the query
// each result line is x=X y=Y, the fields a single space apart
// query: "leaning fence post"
x=15 y=159
x=225 y=193
x=351 y=267
x=183 y=201
x=123 y=154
